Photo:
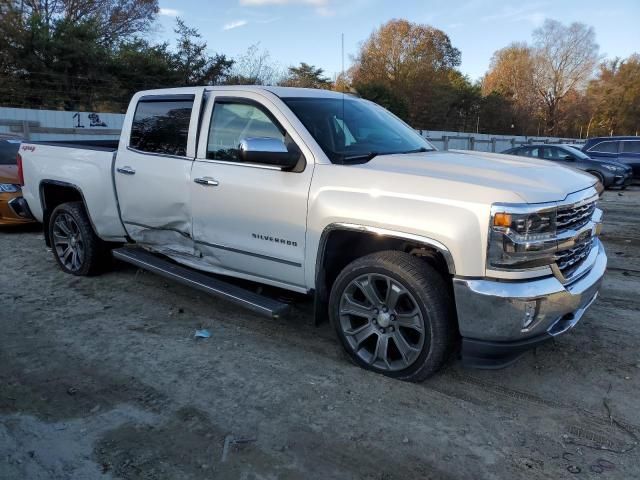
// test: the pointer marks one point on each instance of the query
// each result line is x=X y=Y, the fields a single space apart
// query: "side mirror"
x=268 y=151
x=569 y=158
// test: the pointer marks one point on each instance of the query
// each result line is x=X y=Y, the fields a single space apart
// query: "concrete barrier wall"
x=60 y=125
x=42 y=125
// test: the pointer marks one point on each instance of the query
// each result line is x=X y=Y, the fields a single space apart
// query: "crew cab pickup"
x=409 y=251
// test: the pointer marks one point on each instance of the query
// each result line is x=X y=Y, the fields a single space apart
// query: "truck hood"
x=533 y=180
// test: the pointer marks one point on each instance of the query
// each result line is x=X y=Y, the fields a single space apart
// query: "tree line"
x=94 y=54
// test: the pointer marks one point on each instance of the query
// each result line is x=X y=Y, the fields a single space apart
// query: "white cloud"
x=528 y=13
x=234 y=24
x=169 y=12
x=317 y=3
x=325 y=12
x=321 y=6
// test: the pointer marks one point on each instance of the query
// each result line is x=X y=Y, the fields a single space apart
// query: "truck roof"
x=282 y=92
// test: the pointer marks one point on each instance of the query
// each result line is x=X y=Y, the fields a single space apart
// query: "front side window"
x=631 y=146
x=232 y=122
x=161 y=126
x=354 y=130
x=605 y=147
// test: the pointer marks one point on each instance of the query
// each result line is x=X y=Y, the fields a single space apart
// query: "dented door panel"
x=153 y=169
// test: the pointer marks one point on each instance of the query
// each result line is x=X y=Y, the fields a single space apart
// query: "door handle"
x=126 y=170
x=207 y=181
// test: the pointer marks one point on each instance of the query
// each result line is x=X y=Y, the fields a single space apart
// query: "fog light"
x=529 y=314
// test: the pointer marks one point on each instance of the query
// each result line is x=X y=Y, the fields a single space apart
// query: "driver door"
x=249 y=219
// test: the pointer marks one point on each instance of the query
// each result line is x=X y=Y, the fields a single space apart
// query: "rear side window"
x=605 y=147
x=631 y=146
x=550 y=153
x=162 y=126
x=530 y=152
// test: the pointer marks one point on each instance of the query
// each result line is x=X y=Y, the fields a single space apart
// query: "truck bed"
x=86 y=166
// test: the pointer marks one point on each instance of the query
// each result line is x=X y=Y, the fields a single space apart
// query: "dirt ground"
x=101 y=378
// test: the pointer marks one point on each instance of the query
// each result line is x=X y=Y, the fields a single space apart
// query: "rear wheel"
x=75 y=246
x=393 y=314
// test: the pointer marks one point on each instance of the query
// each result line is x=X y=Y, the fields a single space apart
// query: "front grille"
x=573 y=217
x=570 y=259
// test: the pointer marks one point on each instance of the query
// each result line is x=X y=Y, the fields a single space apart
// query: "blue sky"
x=309 y=30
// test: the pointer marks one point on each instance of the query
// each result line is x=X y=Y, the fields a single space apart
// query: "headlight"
x=9 y=188
x=611 y=168
x=521 y=239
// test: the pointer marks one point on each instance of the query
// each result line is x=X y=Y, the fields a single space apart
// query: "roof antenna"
x=344 y=124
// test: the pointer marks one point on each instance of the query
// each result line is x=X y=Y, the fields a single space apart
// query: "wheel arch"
x=54 y=193
x=599 y=175
x=362 y=240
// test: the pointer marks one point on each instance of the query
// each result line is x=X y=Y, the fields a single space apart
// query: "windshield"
x=578 y=153
x=353 y=130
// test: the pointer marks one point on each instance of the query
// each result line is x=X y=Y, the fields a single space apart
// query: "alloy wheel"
x=382 y=322
x=68 y=242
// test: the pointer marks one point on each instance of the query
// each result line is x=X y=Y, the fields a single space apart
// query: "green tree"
x=192 y=62
x=614 y=96
x=384 y=96
x=306 y=76
x=511 y=75
x=411 y=60
x=254 y=67
x=564 y=60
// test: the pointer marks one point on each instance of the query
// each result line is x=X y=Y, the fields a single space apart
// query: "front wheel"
x=393 y=313
x=75 y=246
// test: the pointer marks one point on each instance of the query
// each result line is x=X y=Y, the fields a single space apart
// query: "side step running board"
x=201 y=281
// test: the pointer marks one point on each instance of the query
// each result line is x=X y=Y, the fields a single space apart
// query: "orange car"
x=13 y=209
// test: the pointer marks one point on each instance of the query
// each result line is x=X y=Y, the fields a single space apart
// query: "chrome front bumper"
x=503 y=312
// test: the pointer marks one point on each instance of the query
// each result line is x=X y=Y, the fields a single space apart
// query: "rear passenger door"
x=630 y=155
x=152 y=171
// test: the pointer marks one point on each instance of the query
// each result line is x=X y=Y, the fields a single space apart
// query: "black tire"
x=424 y=286
x=91 y=251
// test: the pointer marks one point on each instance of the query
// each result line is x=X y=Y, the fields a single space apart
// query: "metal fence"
x=486 y=142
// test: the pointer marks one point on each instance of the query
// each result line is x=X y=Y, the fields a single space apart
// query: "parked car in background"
x=624 y=150
x=610 y=174
x=10 y=190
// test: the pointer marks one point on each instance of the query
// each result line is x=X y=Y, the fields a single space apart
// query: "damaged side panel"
x=166 y=239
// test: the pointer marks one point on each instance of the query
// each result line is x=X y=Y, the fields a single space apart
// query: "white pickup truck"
x=408 y=250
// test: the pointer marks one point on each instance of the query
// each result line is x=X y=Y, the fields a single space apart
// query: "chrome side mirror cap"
x=267 y=150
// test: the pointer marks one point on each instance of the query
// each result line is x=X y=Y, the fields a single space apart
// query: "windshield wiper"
x=419 y=150
x=365 y=157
